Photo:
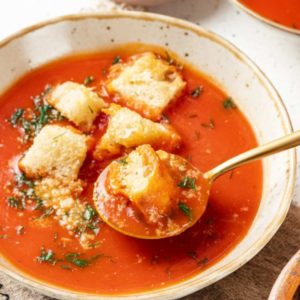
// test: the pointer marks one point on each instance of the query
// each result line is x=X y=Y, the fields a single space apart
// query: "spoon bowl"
x=124 y=215
x=121 y=214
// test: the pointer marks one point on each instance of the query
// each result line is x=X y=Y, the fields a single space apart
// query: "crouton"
x=146 y=84
x=77 y=103
x=56 y=151
x=127 y=129
x=145 y=180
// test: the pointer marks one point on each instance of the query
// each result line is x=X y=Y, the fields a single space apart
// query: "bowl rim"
x=260 y=17
x=187 y=286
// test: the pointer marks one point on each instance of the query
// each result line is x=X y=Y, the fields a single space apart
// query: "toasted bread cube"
x=145 y=180
x=127 y=129
x=77 y=103
x=146 y=84
x=56 y=151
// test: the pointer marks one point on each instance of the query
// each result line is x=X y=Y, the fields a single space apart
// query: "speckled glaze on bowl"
x=220 y=60
x=260 y=17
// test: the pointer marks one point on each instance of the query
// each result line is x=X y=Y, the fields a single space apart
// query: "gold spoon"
x=100 y=192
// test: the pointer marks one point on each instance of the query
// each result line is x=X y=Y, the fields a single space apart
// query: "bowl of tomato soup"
x=225 y=106
x=283 y=14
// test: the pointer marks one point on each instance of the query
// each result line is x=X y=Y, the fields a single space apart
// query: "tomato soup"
x=212 y=128
x=283 y=12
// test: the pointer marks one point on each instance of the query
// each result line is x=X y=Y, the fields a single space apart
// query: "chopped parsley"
x=47 y=256
x=23 y=190
x=194 y=255
x=88 y=80
x=116 y=60
x=186 y=210
x=46 y=213
x=21 y=179
x=93 y=226
x=15 y=117
x=15 y=203
x=123 y=161
x=32 y=120
x=197 y=92
x=228 y=103
x=39 y=204
x=76 y=260
x=90 y=221
x=89 y=213
x=187 y=183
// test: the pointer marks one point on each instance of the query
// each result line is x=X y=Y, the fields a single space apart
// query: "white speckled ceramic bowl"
x=238 y=75
x=260 y=17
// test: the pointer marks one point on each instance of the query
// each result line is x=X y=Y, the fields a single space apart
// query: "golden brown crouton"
x=146 y=84
x=144 y=179
x=127 y=129
x=77 y=103
x=56 y=151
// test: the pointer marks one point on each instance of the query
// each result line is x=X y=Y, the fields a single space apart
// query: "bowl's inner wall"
x=242 y=81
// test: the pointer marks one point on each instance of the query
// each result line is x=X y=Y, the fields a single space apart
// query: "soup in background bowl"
x=217 y=115
x=284 y=14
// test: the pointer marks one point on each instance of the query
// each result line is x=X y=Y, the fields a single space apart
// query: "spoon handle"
x=289 y=141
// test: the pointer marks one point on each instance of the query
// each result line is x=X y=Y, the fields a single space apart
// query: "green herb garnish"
x=23 y=190
x=187 y=183
x=75 y=259
x=15 y=203
x=89 y=213
x=228 y=103
x=34 y=119
x=194 y=255
x=21 y=179
x=88 y=80
x=47 y=256
x=46 y=213
x=116 y=60
x=93 y=227
x=14 y=119
x=197 y=92
x=203 y=261
x=123 y=161
x=186 y=210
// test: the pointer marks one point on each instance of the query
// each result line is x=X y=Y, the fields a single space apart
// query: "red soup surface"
x=213 y=130
x=284 y=12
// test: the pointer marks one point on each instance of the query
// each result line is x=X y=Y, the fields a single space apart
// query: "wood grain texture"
x=253 y=281
x=288 y=281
